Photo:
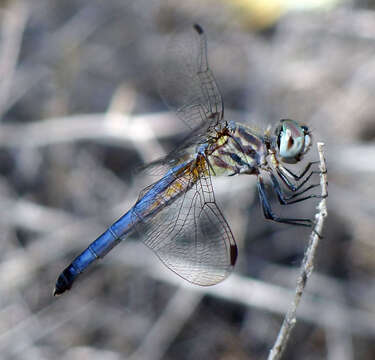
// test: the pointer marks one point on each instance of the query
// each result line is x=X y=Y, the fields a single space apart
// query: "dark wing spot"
x=233 y=254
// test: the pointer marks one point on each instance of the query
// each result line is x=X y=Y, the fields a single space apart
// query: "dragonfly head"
x=292 y=140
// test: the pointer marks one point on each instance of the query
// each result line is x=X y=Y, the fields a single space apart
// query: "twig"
x=339 y=343
x=59 y=44
x=177 y=312
x=122 y=102
x=306 y=267
x=89 y=127
x=12 y=30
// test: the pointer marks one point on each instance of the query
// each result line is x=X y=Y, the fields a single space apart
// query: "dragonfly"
x=178 y=216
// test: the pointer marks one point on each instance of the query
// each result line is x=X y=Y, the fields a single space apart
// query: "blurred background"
x=80 y=111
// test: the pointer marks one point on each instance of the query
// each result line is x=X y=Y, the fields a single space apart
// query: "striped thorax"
x=238 y=150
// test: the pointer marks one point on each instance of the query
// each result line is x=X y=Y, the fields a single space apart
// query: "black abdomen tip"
x=198 y=28
x=64 y=282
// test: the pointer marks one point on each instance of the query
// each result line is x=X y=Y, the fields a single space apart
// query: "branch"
x=306 y=267
x=12 y=33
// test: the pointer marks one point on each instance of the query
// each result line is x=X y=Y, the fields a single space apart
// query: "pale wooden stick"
x=306 y=266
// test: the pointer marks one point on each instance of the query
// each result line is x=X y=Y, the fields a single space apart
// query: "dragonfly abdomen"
x=97 y=249
x=178 y=180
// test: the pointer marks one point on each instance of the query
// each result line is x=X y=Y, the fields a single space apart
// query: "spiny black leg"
x=305 y=170
x=307 y=178
x=284 y=200
x=285 y=180
x=284 y=173
x=291 y=186
x=267 y=210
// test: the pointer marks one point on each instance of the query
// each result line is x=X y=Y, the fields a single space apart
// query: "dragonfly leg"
x=268 y=213
x=290 y=185
x=304 y=171
x=285 y=200
x=285 y=173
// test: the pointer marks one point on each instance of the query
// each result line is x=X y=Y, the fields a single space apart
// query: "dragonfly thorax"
x=239 y=150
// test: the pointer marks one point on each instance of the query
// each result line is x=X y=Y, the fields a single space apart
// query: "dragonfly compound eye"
x=293 y=140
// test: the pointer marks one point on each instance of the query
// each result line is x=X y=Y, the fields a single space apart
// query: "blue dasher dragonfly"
x=178 y=216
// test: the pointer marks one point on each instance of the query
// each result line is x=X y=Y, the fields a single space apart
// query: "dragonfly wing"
x=190 y=235
x=186 y=82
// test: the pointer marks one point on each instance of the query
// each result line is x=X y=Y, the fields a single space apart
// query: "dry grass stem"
x=306 y=267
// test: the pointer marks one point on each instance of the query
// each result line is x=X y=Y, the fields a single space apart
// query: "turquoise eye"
x=291 y=140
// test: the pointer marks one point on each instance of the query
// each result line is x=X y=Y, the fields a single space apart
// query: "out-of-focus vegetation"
x=80 y=111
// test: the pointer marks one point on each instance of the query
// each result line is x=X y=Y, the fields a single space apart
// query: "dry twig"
x=306 y=267
x=12 y=32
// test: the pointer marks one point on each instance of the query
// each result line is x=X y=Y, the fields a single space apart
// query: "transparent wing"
x=187 y=84
x=190 y=235
x=185 y=151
